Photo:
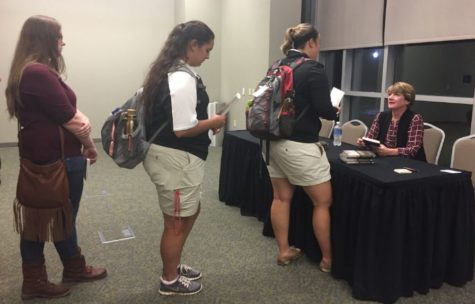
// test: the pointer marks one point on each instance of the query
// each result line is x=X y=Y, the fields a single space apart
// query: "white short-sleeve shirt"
x=183 y=99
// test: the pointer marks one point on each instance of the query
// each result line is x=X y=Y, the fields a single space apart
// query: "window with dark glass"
x=443 y=69
x=367 y=70
x=364 y=109
x=333 y=66
x=454 y=119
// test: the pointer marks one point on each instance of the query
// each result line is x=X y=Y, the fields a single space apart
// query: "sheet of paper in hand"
x=336 y=95
x=226 y=106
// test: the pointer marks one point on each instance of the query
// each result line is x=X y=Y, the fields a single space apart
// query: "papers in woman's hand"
x=336 y=95
x=450 y=171
x=371 y=142
x=226 y=106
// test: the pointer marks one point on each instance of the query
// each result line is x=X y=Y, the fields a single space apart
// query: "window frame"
x=389 y=53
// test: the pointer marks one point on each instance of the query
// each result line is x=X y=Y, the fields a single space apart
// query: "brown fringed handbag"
x=42 y=209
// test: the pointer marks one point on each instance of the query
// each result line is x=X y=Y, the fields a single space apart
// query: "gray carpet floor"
x=238 y=263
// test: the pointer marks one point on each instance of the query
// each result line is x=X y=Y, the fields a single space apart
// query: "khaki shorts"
x=178 y=176
x=303 y=164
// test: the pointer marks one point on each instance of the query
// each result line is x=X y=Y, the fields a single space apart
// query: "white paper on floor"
x=102 y=193
x=116 y=233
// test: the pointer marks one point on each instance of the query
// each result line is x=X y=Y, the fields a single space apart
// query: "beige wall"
x=107 y=53
x=283 y=14
x=252 y=33
x=245 y=28
x=208 y=11
x=110 y=45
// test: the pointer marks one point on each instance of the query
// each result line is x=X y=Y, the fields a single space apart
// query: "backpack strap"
x=294 y=65
x=140 y=109
x=267 y=151
x=158 y=131
x=267 y=156
x=274 y=66
x=297 y=62
x=180 y=67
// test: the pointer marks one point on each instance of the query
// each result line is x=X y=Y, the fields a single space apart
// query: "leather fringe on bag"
x=33 y=224
x=42 y=209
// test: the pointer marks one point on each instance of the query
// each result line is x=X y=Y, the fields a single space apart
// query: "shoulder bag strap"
x=20 y=141
x=20 y=145
x=61 y=139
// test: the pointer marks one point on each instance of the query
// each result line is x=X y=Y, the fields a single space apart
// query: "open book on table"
x=358 y=154
x=357 y=157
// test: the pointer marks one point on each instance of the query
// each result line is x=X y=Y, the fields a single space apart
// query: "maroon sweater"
x=47 y=103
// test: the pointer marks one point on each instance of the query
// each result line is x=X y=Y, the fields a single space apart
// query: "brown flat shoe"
x=295 y=254
x=324 y=267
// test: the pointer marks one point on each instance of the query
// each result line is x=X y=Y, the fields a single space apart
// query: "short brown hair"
x=404 y=89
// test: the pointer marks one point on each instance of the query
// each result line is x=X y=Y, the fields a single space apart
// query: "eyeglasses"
x=60 y=37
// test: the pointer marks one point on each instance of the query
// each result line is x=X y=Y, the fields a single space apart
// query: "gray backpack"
x=123 y=133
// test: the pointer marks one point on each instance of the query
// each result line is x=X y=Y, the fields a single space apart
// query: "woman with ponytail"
x=300 y=160
x=174 y=96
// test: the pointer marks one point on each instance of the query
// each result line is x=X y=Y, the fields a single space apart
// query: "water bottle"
x=337 y=132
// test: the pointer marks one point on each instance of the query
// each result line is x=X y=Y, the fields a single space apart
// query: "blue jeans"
x=32 y=251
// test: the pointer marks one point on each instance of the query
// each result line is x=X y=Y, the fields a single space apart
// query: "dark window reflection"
x=444 y=69
x=364 y=109
x=454 y=119
x=333 y=64
x=367 y=70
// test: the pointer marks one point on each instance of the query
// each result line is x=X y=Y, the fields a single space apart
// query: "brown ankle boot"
x=36 y=284
x=76 y=270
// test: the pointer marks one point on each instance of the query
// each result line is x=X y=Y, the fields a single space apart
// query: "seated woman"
x=399 y=130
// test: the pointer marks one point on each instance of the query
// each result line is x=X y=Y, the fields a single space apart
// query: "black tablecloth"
x=392 y=234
